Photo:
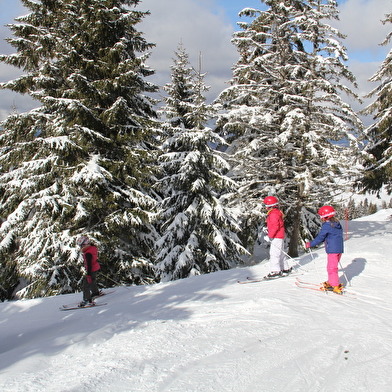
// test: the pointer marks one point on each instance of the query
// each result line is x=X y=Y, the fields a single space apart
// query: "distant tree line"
x=354 y=210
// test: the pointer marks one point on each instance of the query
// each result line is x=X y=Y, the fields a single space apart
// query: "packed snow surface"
x=209 y=333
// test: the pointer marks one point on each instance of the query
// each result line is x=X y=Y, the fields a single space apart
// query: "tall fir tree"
x=179 y=94
x=378 y=152
x=79 y=163
x=291 y=133
x=199 y=235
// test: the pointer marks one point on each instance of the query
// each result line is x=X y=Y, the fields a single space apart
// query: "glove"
x=307 y=245
x=89 y=279
x=267 y=239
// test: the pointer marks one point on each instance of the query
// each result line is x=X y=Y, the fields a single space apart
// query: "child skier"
x=275 y=225
x=331 y=234
x=90 y=256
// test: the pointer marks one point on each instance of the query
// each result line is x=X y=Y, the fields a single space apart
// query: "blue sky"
x=232 y=8
x=206 y=26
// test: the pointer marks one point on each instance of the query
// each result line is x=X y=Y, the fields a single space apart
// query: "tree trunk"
x=294 y=237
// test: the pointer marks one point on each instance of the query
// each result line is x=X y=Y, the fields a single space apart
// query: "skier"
x=331 y=234
x=90 y=256
x=276 y=233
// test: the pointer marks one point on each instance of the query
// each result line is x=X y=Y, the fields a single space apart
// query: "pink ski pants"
x=332 y=268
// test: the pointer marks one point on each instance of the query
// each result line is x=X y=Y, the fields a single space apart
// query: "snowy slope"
x=210 y=333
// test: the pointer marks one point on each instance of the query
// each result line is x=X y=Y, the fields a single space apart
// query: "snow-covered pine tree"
x=79 y=163
x=378 y=152
x=291 y=133
x=179 y=94
x=199 y=235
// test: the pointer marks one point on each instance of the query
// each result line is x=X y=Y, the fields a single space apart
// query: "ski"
x=74 y=304
x=256 y=280
x=318 y=287
x=318 y=284
x=250 y=280
x=82 y=307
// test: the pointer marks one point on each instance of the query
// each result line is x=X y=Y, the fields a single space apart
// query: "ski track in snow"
x=210 y=333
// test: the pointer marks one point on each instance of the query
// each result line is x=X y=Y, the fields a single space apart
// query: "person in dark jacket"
x=331 y=234
x=90 y=257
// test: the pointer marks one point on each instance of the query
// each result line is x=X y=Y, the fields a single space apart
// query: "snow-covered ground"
x=209 y=333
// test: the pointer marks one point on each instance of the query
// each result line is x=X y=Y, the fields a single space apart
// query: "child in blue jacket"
x=331 y=234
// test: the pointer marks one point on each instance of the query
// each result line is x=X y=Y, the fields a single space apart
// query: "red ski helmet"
x=326 y=212
x=83 y=240
x=270 y=201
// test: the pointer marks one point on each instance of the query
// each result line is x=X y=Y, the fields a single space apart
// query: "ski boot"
x=83 y=304
x=336 y=289
x=287 y=272
x=273 y=275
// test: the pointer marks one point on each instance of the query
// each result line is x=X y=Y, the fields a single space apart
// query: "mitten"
x=89 y=279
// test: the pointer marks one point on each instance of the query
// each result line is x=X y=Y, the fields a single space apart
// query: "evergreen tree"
x=378 y=158
x=198 y=232
x=291 y=133
x=80 y=162
x=372 y=209
x=351 y=209
x=179 y=94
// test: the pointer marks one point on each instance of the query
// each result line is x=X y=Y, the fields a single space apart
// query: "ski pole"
x=291 y=258
x=117 y=283
x=295 y=261
x=344 y=274
x=315 y=266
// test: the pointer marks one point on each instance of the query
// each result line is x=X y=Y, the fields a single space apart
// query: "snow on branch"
x=92 y=172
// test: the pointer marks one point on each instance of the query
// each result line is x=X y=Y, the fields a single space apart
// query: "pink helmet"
x=83 y=240
x=326 y=212
x=270 y=201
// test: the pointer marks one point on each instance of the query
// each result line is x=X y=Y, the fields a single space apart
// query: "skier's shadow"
x=355 y=268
